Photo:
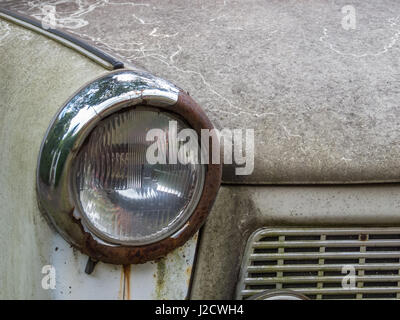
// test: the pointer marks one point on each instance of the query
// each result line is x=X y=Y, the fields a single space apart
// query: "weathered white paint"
x=166 y=279
x=73 y=283
x=37 y=75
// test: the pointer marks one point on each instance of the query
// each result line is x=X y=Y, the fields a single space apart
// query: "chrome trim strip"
x=65 y=39
x=71 y=126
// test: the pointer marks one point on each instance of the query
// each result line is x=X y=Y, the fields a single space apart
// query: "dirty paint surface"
x=167 y=278
x=323 y=101
x=105 y=282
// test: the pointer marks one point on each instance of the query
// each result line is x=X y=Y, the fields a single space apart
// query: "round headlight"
x=124 y=198
x=97 y=184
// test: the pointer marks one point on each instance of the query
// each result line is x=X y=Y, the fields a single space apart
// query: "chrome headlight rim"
x=73 y=124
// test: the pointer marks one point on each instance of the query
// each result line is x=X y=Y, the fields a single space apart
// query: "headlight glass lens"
x=122 y=197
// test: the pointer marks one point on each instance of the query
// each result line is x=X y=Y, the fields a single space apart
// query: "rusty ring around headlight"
x=102 y=97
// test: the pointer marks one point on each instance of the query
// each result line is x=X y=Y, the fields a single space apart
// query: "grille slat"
x=311 y=261
x=324 y=255
x=329 y=244
x=331 y=267
x=304 y=232
x=334 y=290
x=305 y=279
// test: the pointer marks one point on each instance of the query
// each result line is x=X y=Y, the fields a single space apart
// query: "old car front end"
x=297 y=199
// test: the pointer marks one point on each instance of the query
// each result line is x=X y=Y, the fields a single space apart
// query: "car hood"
x=322 y=98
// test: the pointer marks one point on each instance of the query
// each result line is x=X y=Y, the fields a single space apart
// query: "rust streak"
x=127 y=281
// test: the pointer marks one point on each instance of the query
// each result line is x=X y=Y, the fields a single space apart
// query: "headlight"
x=122 y=197
x=95 y=182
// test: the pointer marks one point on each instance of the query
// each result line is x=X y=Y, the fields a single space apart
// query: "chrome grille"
x=313 y=262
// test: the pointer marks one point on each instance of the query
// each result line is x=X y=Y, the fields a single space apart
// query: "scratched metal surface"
x=323 y=100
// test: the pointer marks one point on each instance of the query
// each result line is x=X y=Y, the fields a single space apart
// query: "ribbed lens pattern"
x=123 y=197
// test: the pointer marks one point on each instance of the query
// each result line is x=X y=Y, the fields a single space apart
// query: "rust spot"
x=363 y=237
x=189 y=271
x=127 y=281
x=188 y=274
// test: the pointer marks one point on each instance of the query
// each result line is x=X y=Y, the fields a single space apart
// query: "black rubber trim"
x=115 y=63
